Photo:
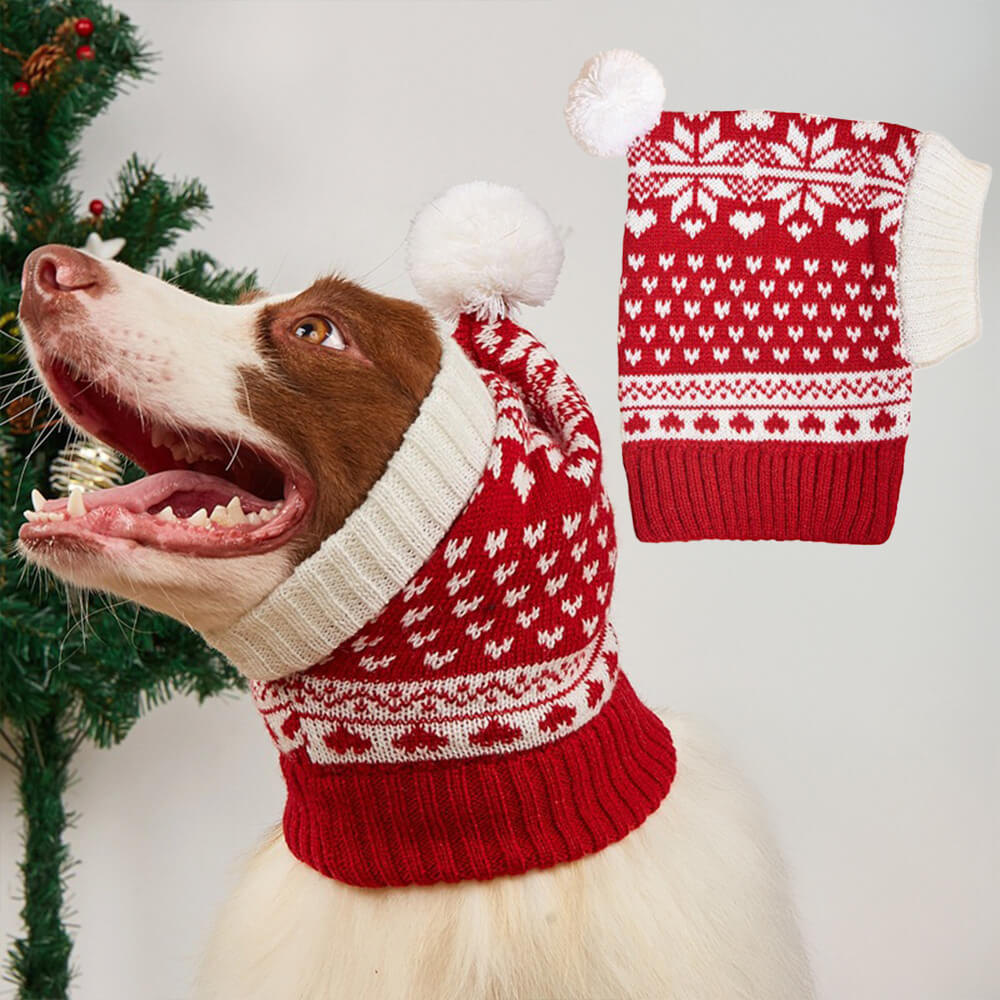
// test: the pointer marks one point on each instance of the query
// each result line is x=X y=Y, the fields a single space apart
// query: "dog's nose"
x=52 y=270
x=50 y=276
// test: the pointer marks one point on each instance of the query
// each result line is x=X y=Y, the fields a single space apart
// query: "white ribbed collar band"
x=938 y=285
x=354 y=574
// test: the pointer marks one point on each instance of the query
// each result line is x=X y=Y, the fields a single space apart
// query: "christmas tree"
x=69 y=672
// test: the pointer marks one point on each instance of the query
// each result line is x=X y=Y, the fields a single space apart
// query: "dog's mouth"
x=202 y=494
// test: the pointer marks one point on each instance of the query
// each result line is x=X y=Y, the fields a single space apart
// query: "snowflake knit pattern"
x=479 y=724
x=765 y=380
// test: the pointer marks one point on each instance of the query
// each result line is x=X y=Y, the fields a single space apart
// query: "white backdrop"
x=857 y=686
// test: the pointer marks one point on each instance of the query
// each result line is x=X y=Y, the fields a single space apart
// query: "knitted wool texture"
x=782 y=274
x=476 y=724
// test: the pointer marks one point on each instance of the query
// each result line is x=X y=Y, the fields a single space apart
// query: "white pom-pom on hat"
x=617 y=98
x=483 y=248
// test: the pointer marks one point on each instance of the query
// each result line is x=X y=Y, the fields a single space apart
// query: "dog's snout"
x=51 y=270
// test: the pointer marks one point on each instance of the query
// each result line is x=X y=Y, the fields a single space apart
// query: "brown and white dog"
x=261 y=426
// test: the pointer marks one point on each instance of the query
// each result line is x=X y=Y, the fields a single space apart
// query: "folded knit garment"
x=782 y=276
x=441 y=678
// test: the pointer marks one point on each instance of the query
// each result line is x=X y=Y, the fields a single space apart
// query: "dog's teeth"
x=199 y=517
x=44 y=515
x=219 y=514
x=37 y=499
x=75 y=505
x=253 y=517
x=156 y=435
x=179 y=452
x=235 y=511
x=167 y=514
x=266 y=514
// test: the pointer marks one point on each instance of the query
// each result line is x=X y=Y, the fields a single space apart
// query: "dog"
x=261 y=427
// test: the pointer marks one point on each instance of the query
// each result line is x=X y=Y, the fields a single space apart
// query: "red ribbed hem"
x=683 y=490
x=447 y=821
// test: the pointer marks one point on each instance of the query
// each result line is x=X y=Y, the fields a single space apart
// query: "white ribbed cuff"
x=938 y=279
x=360 y=568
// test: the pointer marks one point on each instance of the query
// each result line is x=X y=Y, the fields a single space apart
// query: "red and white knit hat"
x=440 y=677
x=782 y=276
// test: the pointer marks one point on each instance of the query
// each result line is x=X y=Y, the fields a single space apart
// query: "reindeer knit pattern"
x=764 y=380
x=479 y=724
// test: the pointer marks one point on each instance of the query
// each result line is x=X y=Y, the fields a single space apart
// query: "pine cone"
x=27 y=415
x=65 y=35
x=42 y=64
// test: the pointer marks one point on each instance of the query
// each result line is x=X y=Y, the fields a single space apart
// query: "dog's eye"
x=319 y=330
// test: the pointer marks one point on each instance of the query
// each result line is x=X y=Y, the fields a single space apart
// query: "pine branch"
x=39 y=961
x=39 y=135
x=151 y=212
x=198 y=272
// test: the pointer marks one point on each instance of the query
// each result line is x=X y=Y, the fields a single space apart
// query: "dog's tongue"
x=183 y=490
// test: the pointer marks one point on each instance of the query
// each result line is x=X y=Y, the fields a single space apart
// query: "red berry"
x=84 y=27
x=96 y=206
x=85 y=52
x=21 y=88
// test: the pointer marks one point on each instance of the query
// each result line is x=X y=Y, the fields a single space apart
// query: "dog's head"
x=260 y=426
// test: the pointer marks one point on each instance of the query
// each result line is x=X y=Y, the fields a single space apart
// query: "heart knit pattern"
x=479 y=724
x=760 y=325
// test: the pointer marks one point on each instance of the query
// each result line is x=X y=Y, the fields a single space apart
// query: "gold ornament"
x=87 y=465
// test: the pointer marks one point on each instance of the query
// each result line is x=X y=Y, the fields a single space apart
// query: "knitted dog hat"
x=440 y=677
x=782 y=276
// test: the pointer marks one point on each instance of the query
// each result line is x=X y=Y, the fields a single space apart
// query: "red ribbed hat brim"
x=477 y=818
x=685 y=490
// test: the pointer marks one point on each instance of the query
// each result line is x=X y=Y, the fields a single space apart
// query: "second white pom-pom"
x=617 y=98
x=483 y=248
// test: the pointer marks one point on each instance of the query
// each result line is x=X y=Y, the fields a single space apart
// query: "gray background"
x=857 y=686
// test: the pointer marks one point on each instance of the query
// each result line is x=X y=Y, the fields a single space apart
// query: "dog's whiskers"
x=23 y=385
x=236 y=451
x=39 y=441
